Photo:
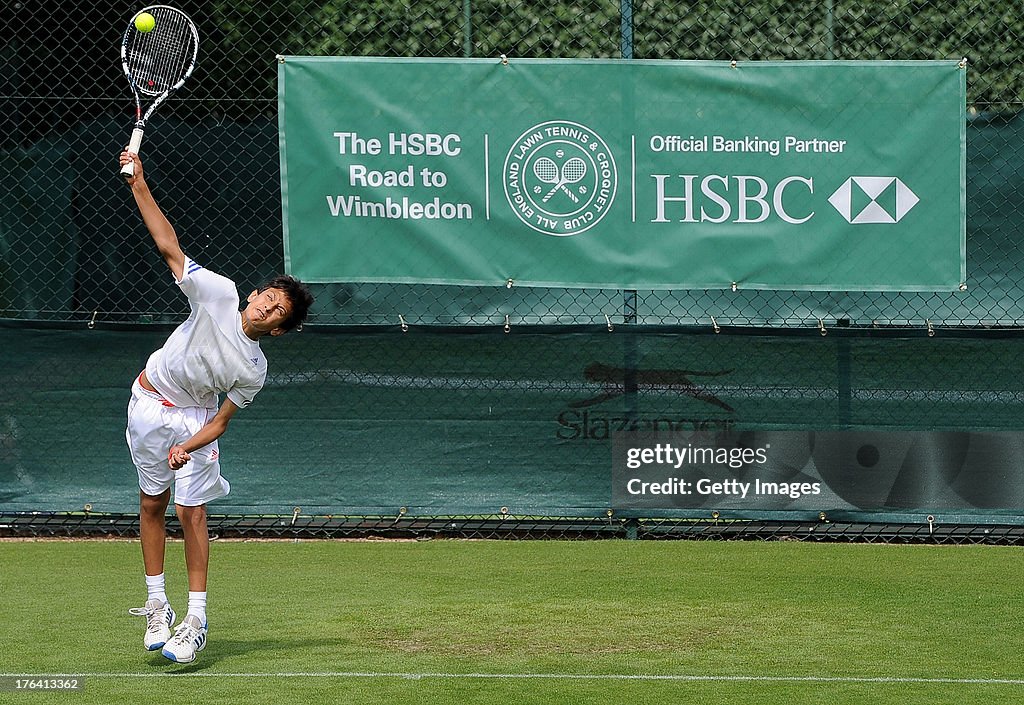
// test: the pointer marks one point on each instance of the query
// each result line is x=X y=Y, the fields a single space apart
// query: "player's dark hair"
x=298 y=295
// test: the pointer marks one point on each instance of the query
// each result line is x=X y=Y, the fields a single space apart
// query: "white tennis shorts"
x=153 y=427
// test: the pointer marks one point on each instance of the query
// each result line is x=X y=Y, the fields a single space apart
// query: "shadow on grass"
x=220 y=649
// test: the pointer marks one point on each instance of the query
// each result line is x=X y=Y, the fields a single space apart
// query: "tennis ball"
x=145 y=22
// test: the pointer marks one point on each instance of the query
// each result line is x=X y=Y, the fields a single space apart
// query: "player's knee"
x=191 y=516
x=154 y=504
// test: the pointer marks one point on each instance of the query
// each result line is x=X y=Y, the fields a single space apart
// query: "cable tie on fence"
x=732 y=64
x=509 y=283
x=714 y=325
x=402 y=511
x=931 y=329
x=963 y=63
x=92 y=322
x=609 y=513
x=295 y=514
x=963 y=286
x=821 y=327
x=504 y=60
x=280 y=58
x=508 y=326
x=931 y=524
x=734 y=286
x=405 y=326
x=608 y=321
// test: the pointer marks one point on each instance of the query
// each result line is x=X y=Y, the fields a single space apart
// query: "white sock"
x=155 y=588
x=197 y=606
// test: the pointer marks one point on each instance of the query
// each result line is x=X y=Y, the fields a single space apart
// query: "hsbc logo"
x=716 y=198
x=873 y=199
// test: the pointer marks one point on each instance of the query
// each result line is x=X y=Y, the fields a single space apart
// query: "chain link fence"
x=504 y=527
x=75 y=257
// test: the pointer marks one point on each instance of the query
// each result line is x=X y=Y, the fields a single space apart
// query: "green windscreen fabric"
x=820 y=175
x=470 y=421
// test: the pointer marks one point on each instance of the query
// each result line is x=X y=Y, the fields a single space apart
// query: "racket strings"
x=573 y=170
x=545 y=170
x=160 y=58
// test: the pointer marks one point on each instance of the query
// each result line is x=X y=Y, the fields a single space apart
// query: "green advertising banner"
x=624 y=174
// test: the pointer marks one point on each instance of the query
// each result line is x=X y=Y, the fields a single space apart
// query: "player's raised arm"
x=160 y=228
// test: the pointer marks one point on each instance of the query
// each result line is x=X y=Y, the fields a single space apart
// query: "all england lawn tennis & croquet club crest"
x=560 y=178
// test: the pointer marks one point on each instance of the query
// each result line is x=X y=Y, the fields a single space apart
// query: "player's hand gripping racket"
x=156 y=63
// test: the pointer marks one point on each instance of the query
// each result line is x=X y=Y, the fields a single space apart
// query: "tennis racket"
x=156 y=64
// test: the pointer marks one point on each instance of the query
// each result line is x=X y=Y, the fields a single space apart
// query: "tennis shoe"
x=159 y=618
x=188 y=640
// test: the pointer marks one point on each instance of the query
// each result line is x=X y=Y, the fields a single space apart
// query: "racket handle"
x=128 y=170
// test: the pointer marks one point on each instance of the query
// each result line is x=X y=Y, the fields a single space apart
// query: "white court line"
x=544 y=676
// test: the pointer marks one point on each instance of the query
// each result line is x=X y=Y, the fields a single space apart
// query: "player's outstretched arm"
x=160 y=228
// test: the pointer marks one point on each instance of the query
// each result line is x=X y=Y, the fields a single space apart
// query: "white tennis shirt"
x=208 y=354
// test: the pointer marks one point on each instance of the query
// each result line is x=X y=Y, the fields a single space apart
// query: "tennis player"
x=174 y=420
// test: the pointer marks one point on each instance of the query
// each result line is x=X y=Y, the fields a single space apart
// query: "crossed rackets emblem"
x=571 y=172
x=559 y=178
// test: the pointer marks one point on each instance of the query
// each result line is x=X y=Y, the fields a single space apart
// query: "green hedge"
x=988 y=33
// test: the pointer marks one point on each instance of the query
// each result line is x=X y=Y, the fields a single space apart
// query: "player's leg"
x=152 y=530
x=195 y=484
x=157 y=611
x=190 y=636
x=145 y=434
x=197 y=545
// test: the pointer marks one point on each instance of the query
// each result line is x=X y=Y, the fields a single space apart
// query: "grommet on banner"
x=508 y=326
x=608 y=321
x=405 y=326
x=734 y=286
x=87 y=508
x=822 y=516
x=714 y=325
x=504 y=60
x=963 y=287
x=931 y=330
x=509 y=283
x=963 y=63
x=821 y=327
x=280 y=58
x=732 y=64
x=92 y=322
